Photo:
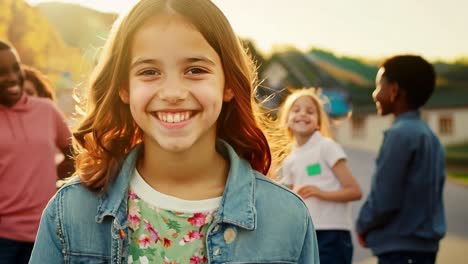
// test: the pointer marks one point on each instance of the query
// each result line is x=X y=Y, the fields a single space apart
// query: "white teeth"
x=173 y=117
x=177 y=118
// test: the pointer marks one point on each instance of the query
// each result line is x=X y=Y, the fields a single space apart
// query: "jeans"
x=407 y=257
x=12 y=251
x=335 y=246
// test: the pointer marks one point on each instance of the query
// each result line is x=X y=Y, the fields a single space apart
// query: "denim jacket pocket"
x=78 y=258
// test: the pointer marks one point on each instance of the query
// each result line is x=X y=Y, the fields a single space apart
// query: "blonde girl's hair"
x=108 y=130
x=279 y=135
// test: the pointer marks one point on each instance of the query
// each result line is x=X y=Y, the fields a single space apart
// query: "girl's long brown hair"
x=108 y=130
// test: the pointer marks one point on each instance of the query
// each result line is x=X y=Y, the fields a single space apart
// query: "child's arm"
x=47 y=247
x=390 y=175
x=350 y=190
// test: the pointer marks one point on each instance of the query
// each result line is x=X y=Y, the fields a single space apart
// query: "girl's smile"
x=174 y=119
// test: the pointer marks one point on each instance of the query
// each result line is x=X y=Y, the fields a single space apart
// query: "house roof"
x=304 y=71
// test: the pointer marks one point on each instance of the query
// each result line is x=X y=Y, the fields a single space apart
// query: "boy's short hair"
x=414 y=75
x=4 y=45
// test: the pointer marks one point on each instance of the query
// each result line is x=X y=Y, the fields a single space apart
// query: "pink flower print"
x=167 y=242
x=195 y=235
x=143 y=241
x=132 y=195
x=133 y=221
x=153 y=233
x=133 y=209
x=191 y=236
x=198 y=260
x=198 y=219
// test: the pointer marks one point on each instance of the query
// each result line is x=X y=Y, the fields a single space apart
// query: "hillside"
x=38 y=42
x=87 y=34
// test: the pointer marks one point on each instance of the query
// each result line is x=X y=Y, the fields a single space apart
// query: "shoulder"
x=76 y=202
x=43 y=105
x=274 y=199
x=290 y=158
x=332 y=149
x=328 y=142
x=408 y=129
x=41 y=102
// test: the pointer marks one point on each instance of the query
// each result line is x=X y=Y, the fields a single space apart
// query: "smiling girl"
x=170 y=157
x=315 y=168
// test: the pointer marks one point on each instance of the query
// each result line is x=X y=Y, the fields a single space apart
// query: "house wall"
x=460 y=124
x=368 y=138
x=367 y=134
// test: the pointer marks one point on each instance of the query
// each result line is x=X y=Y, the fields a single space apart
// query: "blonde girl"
x=314 y=166
x=169 y=155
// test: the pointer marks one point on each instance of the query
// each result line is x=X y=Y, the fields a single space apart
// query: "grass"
x=457 y=155
x=457 y=162
x=461 y=177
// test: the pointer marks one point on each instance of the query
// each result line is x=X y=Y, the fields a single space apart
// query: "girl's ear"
x=124 y=96
x=228 y=94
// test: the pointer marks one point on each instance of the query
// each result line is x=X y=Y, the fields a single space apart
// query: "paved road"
x=454 y=248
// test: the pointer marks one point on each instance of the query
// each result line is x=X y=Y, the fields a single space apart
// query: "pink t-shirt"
x=30 y=132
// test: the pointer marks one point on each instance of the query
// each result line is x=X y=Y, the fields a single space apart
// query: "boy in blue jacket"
x=403 y=217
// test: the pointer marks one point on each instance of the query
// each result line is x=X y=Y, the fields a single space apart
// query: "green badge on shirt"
x=314 y=169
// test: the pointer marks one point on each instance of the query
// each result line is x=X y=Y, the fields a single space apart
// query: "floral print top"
x=173 y=232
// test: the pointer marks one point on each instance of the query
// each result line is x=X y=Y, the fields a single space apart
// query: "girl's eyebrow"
x=200 y=59
x=143 y=61
x=193 y=59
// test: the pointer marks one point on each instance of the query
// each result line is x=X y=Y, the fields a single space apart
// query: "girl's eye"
x=148 y=72
x=192 y=71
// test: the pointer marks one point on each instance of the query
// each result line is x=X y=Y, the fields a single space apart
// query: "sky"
x=435 y=29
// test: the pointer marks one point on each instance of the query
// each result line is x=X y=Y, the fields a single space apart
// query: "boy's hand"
x=306 y=191
x=361 y=240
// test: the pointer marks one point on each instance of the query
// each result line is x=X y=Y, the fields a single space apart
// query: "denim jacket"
x=270 y=223
x=411 y=162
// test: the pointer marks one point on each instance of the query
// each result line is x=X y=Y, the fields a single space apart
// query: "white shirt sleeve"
x=285 y=174
x=332 y=152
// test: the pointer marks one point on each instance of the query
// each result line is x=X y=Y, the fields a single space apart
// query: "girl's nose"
x=172 y=91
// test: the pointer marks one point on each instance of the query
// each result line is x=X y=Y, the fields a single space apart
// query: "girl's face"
x=303 y=117
x=29 y=88
x=176 y=84
x=10 y=78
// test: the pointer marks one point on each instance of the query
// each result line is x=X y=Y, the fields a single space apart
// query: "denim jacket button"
x=217 y=252
x=229 y=235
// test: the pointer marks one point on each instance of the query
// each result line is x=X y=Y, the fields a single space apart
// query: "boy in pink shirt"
x=31 y=129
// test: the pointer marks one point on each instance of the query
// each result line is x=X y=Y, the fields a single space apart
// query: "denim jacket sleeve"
x=392 y=163
x=47 y=247
x=310 y=252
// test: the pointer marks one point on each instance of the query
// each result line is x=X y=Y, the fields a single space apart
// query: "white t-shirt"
x=312 y=163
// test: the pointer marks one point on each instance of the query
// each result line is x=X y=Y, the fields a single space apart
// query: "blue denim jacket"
x=404 y=210
x=270 y=223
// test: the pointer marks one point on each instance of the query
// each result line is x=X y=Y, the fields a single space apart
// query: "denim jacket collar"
x=408 y=115
x=237 y=205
